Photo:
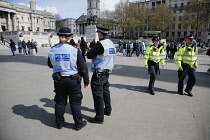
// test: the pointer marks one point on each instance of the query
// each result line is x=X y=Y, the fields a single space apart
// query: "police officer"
x=154 y=54
x=187 y=63
x=68 y=65
x=103 y=60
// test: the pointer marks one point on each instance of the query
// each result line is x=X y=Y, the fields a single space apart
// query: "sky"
x=67 y=8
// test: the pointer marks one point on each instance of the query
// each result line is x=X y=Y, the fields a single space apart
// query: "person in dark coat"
x=2 y=40
x=83 y=47
x=12 y=46
x=135 y=47
x=124 y=48
x=129 y=49
x=92 y=44
x=28 y=44
x=24 y=47
x=173 y=49
x=167 y=51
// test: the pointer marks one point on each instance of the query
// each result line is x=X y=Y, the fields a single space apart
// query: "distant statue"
x=92 y=19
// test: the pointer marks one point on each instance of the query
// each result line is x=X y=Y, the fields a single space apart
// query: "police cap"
x=103 y=29
x=156 y=38
x=189 y=37
x=64 y=31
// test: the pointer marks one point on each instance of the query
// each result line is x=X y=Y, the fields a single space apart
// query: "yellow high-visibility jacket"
x=187 y=55
x=155 y=54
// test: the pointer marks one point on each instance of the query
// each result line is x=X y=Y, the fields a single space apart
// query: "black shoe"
x=189 y=93
x=83 y=125
x=94 y=120
x=107 y=113
x=180 y=92
x=59 y=126
x=152 y=92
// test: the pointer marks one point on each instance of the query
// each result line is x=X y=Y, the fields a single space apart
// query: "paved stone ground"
x=27 y=106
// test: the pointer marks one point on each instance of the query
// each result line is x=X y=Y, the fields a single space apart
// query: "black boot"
x=83 y=125
x=189 y=93
x=94 y=120
x=180 y=92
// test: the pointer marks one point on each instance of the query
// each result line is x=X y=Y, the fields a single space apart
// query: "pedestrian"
x=135 y=47
x=33 y=48
x=103 y=56
x=36 y=46
x=173 y=49
x=187 y=63
x=92 y=44
x=83 y=47
x=12 y=46
x=129 y=49
x=20 y=46
x=28 y=44
x=24 y=47
x=124 y=48
x=78 y=43
x=2 y=40
x=72 y=42
x=155 y=53
x=68 y=68
x=141 y=48
x=208 y=53
x=120 y=44
x=168 y=51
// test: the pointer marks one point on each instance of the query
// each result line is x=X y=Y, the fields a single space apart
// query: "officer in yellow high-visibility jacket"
x=187 y=63
x=154 y=54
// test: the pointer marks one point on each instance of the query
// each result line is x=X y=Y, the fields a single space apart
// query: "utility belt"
x=152 y=62
x=104 y=73
x=184 y=65
x=57 y=77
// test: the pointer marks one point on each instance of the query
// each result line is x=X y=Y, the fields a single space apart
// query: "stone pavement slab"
x=27 y=106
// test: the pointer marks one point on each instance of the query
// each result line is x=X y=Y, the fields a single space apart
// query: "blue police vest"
x=64 y=59
x=107 y=59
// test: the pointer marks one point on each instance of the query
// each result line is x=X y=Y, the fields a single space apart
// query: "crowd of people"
x=27 y=48
x=138 y=47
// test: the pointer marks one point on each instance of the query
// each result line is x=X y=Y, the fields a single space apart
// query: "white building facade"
x=15 y=17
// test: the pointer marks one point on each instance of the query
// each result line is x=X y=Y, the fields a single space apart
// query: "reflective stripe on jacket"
x=187 y=55
x=155 y=54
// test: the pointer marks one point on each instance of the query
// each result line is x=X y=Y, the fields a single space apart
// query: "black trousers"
x=190 y=82
x=83 y=55
x=68 y=88
x=101 y=95
x=153 y=69
x=135 y=50
x=129 y=53
x=172 y=54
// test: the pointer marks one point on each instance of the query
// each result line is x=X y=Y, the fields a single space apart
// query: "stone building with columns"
x=16 y=17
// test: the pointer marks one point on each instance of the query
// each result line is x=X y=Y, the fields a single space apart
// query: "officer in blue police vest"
x=68 y=68
x=103 y=60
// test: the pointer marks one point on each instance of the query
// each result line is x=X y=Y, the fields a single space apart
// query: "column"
x=9 y=22
x=32 y=23
x=80 y=31
x=41 y=25
x=15 y=22
x=83 y=29
x=0 y=25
